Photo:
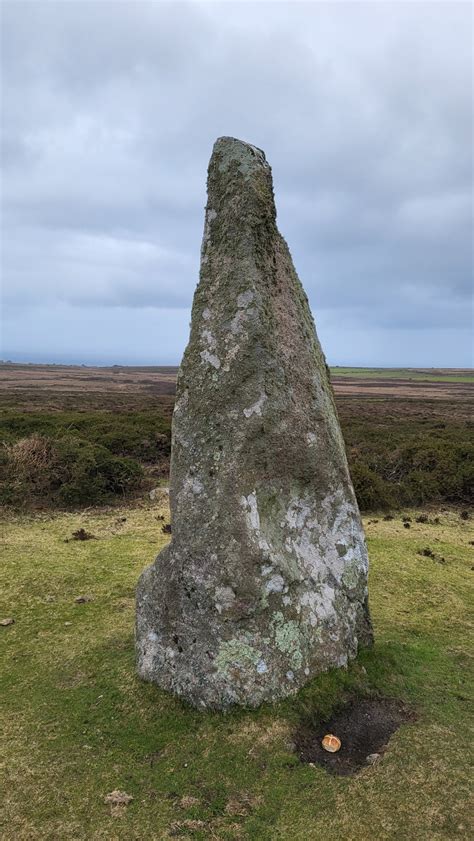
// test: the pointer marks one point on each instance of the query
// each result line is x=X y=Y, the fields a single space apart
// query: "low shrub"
x=63 y=457
x=142 y=435
x=408 y=464
x=66 y=471
x=373 y=494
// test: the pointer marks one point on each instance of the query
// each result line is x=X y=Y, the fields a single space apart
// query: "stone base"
x=210 y=644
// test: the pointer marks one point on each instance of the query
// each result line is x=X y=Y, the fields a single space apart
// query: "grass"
x=79 y=724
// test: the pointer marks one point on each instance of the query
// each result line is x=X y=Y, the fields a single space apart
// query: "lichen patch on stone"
x=236 y=654
x=211 y=358
x=257 y=407
x=245 y=298
x=225 y=597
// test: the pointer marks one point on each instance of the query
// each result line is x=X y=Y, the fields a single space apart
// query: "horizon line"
x=177 y=365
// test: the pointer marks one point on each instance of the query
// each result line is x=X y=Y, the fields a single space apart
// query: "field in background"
x=78 y=724
x=121 y=387
x=440 y=375
x=75 y=435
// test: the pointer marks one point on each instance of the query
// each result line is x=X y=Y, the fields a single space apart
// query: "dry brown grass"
x=30 y=454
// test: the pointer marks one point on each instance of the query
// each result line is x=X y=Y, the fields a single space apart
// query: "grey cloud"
x=364 y=111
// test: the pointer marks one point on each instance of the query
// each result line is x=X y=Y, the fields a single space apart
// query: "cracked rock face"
x=264 y=583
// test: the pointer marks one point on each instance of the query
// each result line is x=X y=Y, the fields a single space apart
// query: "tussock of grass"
x=79 y=725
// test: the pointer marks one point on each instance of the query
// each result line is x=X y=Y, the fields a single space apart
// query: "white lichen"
x=193 y=485
x=245 y=298
x=230 y=356
x=225 y=598
x=256 y=409
x=210 y=216
x=237 y=322
x=320 y=604
x=249 y=503
x=209 y=339
x=276 y=584
x=211 y=358
x=182 y=402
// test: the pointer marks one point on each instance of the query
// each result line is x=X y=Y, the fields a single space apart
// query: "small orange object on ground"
x=331 y=743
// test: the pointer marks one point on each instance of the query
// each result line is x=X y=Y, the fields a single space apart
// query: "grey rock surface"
x=264 y=583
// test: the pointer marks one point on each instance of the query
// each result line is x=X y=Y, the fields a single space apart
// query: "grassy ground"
x=78 y=724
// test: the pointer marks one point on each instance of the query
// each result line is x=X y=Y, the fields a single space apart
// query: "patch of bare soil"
x=364 y=727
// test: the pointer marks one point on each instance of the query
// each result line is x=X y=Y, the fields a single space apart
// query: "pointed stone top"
x=240 y=189
x=231 y=150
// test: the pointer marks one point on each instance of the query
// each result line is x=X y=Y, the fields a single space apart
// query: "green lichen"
x=287 y=639
x=351 y=577
x=236 y=653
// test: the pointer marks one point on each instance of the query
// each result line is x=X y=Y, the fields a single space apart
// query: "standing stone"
x=264 y=583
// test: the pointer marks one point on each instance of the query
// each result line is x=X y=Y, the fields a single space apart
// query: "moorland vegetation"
x=100 y=448
x=64 y=459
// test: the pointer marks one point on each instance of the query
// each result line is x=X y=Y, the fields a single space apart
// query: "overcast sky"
x=110 y=111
